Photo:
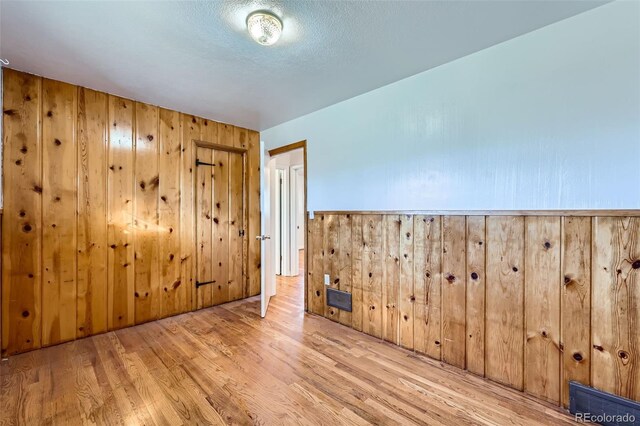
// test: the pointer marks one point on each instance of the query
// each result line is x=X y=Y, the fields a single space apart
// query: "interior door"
x=267 y=249
x=219 y=226
x=205 y=171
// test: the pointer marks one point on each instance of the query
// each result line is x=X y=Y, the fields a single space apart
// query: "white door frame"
x=264 y=215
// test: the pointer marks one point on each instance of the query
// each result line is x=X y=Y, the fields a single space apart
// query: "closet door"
x=219 y=226
x=205 y=177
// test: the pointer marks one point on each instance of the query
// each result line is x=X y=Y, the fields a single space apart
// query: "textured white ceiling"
x=196 y=57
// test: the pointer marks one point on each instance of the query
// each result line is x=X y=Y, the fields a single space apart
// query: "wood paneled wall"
x=532 y=302
x=98 y=230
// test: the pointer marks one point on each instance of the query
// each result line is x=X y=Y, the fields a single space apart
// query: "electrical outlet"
x=327 y=279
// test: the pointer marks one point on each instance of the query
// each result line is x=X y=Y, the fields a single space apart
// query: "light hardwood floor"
x=225 y=365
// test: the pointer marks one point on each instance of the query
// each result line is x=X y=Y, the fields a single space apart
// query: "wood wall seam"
x=567 y=213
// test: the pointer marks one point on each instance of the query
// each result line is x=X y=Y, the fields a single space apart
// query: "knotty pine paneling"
x=190 y=131
x=357 y=245
x=428 y=329
x=98 y=211
x=147 y=292
x=120 y=201
x=236 y=221
x=475 y=309
x=406 y=296
x=372 y=274
x=420 y=272
x=504 y=319
x=453 y=290
x=575 y=303
x=59 y=231
x=542 y=307
x=173 y=289
x=92 y=212
x=615 y=315
x=225 y=215
x=344 y=262
x=221 y=227
x=316 y=261
x=511 y=298
x=21 y=219
x=331 y=256
x=391 y=278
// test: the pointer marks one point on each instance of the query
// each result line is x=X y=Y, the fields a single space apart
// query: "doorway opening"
x=284 y=219
x=289 y=211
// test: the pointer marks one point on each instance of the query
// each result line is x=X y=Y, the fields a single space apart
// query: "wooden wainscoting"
x=532 y=301
x=99 y=229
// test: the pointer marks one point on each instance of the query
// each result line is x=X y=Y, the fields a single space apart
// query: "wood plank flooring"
x=225 y=365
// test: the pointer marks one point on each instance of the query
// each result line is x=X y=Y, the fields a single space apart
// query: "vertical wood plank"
x=120 y=214
x=391 y=278
x=240 y=137
x=145 y=220
x=59 y=192
x=205 y=208
x=190 y=132
x=372 y=274
x=406 y=295
x=542 y=307
x=575 y=303
x=239 y=288
x=225 y=134
x=222 y=244
x=344 y=264
x=419 y=280
x=615 y=315
x=221 y=291
x=236 y=215
x=454 y=283
x=317 y=264
x=331 y=259
x=241 y=140
x=428 y=285
x=221 y=227
x=253 y=198
x=21 y=219
x=356 y=272
x=209 y=131
x=92 y=212
x=475 y=311
x=204 y=233
x=308 y=253
x=174 y=290
x=504 y=326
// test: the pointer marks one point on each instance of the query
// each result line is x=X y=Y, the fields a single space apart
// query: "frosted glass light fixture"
x=264 y=27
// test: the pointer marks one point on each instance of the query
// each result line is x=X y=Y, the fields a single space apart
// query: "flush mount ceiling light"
x=264 y=27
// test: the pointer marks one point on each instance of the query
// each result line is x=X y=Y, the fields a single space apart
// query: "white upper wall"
x=548 y=120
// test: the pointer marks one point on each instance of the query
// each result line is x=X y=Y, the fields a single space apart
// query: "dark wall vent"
x=590 y=405
x=339 y=299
